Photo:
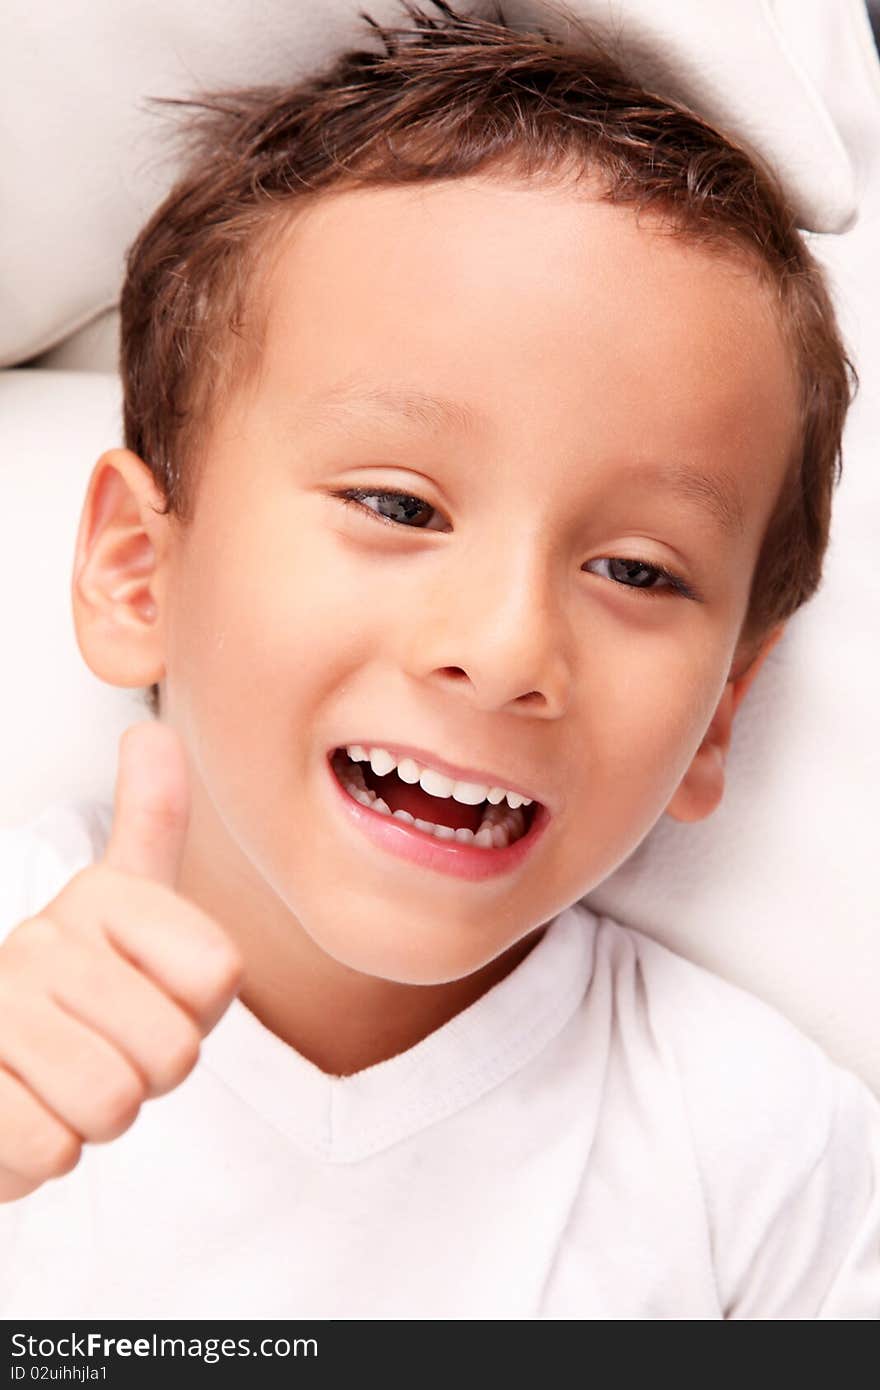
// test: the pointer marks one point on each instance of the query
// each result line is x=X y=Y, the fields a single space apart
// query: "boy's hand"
x=106 y=994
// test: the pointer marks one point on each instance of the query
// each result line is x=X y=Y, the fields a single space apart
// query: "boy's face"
x=615 y=381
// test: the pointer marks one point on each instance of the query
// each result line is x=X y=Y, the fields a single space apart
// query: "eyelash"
x=354 y=496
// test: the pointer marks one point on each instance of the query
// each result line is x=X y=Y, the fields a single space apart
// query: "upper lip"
x=458 y=774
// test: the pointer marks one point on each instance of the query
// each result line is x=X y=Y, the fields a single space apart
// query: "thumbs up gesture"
x=106 y=994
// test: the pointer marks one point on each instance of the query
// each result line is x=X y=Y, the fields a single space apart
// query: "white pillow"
x=85 y=159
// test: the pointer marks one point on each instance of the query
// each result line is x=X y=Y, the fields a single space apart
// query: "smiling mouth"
x=486 y=825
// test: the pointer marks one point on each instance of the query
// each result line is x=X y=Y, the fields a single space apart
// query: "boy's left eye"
x=409 y=508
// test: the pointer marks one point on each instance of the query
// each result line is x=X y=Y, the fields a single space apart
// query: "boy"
x=459 y=508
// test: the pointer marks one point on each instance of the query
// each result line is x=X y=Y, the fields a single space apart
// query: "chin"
x=408 y=955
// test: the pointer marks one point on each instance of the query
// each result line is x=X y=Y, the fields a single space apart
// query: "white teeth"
x=498 y=827
x=498 y=794
x=408 y=771
x=490 y=835
x=381 y=762
x=469 y=793
x=434 y=783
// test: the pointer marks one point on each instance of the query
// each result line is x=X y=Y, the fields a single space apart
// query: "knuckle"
x=30 y=960
x=223 y=967
x=48 y=1151
x=82 y=901
x=115 y=1105
x=82 y=887
x=160 y=818
x=65 y=1155
x=178 y=1061
x=32 y=938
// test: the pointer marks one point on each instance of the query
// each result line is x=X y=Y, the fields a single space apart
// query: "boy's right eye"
x=405 y=507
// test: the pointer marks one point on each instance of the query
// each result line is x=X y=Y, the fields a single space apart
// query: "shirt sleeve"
x=812 y=1227
x=788 y=1148
x=854 y=1290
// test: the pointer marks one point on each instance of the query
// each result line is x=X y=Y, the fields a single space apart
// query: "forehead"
x=533 y=308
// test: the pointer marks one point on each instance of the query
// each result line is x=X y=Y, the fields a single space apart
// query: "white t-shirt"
x=610 y=1132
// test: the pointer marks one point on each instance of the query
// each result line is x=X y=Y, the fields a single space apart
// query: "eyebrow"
x=419 y=407
x=716 y=495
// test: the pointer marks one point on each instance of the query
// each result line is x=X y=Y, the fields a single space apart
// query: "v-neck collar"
x=345 y=1118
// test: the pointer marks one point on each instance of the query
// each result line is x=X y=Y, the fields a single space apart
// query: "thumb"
x=151 y=809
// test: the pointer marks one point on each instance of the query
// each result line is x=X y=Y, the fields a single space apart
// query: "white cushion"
x=85 y=159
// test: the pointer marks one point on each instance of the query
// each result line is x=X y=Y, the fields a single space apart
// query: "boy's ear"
x=702 y=786
x=118 y=579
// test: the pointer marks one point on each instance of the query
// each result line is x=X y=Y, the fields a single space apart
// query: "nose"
x=493 y=623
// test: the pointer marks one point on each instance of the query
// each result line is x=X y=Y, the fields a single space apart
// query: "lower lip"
x=445 y=856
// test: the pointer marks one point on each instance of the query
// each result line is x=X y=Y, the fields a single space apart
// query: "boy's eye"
x=406 y=510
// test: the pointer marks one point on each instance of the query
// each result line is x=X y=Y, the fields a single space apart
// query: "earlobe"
x=118 y=572
x=702 y=787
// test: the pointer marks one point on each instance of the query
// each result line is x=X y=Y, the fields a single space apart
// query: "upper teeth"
x=434 y=783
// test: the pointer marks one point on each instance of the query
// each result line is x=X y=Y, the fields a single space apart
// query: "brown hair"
x=445 y=99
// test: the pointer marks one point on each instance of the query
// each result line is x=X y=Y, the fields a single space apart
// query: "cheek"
x=649 y=721
x=266 y=618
